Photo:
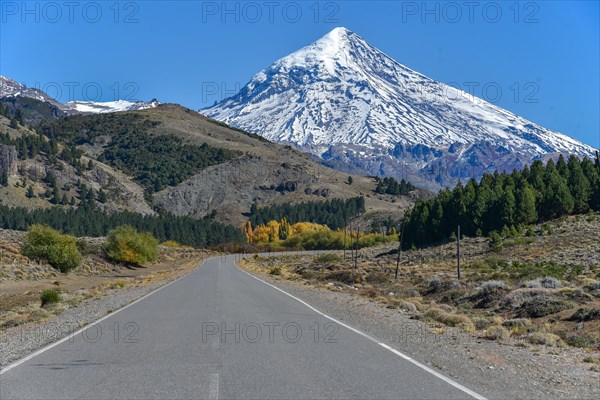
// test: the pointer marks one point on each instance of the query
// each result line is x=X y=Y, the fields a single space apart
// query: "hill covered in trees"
x=335 y=213
x=153 y=160
x=507 y=201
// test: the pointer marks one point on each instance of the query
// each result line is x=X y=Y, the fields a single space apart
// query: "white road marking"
x=385 y=346
x=213 y=388
x=72 y=335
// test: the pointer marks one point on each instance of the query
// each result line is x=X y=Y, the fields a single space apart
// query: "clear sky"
x=540 y=60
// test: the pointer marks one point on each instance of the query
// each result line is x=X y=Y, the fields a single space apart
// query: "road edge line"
x=367 y=336
x=93 y=323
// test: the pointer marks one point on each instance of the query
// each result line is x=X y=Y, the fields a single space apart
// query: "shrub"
x=586 y=314
x=495 y=242
x=493 y=285
x=547 y=282
x=579 y=341
x=347 y=277
x=174 y=244
x=576 y=294
x=482 y=323
x=438 y=284
x=545 y=338
x=328 y=259
x=497 y=333
x=49 y=296
x=541 y=306
x=547 y=228
x=126 y=245
x=408 y=306
x=45 y=243
x=488 y=293
x=275 y=271
x=450 y=319
x=87 y=248
x=377 y=277
x=518 y=241
x=593 y=286
x=518 y=326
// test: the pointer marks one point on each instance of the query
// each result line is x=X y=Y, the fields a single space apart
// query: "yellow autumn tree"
x=284 y=229
x=301 y=227
x=273 y=231
x=260 y=234
x=248 y=232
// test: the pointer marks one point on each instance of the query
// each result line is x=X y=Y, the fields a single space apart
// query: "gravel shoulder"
x=494 y=369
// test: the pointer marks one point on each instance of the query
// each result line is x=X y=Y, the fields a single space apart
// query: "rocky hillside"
x=167 y=158
x=32 y=174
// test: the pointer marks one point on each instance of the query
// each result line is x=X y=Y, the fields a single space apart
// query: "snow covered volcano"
x=356 y=108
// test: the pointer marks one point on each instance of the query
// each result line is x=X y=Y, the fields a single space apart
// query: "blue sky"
x=540 y=60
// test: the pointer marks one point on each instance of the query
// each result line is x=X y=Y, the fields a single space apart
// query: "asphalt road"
x=221 y=333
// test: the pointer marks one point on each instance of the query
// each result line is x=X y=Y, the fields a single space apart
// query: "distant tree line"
x=506 y=201
x=89 y=221
x=391 y=186
x=335 y=213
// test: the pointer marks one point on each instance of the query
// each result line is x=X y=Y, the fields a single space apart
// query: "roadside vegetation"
x=60 y=271
x=126 y=245
x=49 y=296
x=541 y=288
x=46 y=244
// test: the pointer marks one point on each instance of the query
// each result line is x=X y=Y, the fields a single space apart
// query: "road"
x=221 y=333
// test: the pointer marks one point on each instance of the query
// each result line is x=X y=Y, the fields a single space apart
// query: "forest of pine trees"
x=89 y=221
x=391 y=186
x=502 y=201
x=335 y=213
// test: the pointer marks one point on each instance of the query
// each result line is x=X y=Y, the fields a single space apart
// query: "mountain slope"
x=35 y=103
x=11 y=88
x=265 y=173
x=173 y=159
x=355 y=107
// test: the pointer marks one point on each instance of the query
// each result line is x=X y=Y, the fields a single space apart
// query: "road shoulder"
x=491 y=368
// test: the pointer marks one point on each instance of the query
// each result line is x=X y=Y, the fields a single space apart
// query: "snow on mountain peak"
x=344 y=100
x=93 y=107
x=11 y=88
x=330 y=51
